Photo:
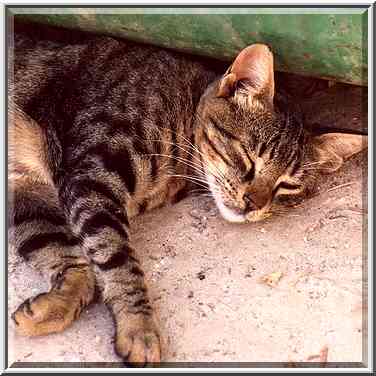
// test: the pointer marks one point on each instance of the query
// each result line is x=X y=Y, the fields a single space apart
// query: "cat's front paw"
x=44 y=314
x=53 y=311
x=138 y=344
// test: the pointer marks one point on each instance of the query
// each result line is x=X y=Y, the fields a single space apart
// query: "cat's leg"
x=39 y=232
x=95 y=201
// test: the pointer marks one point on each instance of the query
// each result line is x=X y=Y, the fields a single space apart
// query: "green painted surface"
x=332 y=46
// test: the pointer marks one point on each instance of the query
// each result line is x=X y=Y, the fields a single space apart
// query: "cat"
x=102 y=129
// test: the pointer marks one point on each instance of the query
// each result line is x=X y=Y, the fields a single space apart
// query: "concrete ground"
x=207 y=279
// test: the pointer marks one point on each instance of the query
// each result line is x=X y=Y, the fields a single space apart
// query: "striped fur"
x=102 y=130
x=39 y=230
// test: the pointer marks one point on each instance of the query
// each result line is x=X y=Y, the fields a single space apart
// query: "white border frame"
x=143 y=3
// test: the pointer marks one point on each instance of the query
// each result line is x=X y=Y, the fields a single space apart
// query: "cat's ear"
x=255 y=68
x=332 y=149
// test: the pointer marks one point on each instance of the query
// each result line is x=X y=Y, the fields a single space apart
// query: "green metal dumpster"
x=325 y=43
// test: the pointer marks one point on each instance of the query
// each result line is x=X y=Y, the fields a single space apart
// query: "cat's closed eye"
x=287 y=188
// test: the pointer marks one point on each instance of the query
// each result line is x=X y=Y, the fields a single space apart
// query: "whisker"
x=317 y=168
x=195 y=148
x=202 y=195
x=193 y=180
x=179 y=146
x=182 y=160
x=340 y=186
x=285 y=214
x=189 y=143
x=198 y=164
x=190 y=177
x=217 y=173
x=310 y=164
x=199 y=190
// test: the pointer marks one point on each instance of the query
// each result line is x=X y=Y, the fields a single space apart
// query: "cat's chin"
x=233 y=217
x=229 y=215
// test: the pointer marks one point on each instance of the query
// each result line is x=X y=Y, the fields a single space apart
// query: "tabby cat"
x=101 y=130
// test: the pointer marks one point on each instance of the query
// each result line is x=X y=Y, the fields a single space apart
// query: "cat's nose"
x=250 y=205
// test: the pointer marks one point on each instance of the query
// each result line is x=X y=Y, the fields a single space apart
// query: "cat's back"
x=62 y=72
x=49 y=58
x=93 y=68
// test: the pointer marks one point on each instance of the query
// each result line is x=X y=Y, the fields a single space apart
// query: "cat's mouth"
x=228 y=213
x=233 y=214
x=237 y=216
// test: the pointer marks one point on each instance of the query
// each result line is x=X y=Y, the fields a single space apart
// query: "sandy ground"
x=205 y=277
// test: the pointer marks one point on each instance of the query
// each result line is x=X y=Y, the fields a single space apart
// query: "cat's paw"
x=43 y=314
x=53 y=311
x=138 y=347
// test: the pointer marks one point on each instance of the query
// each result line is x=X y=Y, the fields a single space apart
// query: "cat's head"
x=251 y=151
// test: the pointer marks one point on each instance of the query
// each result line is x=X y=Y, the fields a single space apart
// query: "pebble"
x=201 y=276
x=205 y=310
x=195 y=214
